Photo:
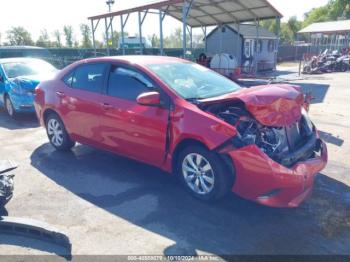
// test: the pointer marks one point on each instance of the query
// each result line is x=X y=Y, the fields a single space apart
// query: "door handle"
x=60 y=94
x=106 y=106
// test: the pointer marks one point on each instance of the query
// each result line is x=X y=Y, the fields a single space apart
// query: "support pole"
x=112 y=33
x=191 y=37
x=122 y=33
x=140 y=32
x=184 y=26
x=205 y=39
x=185 y=11
x=257 y=21
x=278 y=31
x=93 y=37
x=296 y=48
x=239 y=44
x=161 y=32
x=107 y=37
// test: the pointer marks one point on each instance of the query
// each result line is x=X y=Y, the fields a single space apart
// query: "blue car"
x=18 y=79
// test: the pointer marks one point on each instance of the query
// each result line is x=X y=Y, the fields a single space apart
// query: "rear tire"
x=203 y=173
x=57 y=134
x=10 y=110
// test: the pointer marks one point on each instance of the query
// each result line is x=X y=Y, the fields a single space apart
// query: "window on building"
x=258 y=45
x=247 y=47
x=271 y=46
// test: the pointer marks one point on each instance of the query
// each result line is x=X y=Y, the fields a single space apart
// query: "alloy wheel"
x=9 y=107
x=198 y=173
x=55 y=132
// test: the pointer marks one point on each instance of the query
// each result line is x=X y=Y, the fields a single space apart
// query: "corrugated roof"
x=248 y=31
x=327 y=27
x=206 y=12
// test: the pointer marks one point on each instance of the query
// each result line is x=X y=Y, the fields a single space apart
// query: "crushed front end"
x=277 y=151
x=6 y=189
x=6 y=181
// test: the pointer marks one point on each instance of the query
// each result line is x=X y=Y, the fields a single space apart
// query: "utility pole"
x=110 y=3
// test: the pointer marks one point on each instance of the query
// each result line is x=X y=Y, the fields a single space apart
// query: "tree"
x=86 y=36
x=339 y=9
x=198 y=41
x=316 y=15
x=44 y=39
x=154 y=40
x=19 y=36
x=175 y=39
x=334 y=10
x=68 y=34
x=57 y=36
x=294 y=26
x=288 y=30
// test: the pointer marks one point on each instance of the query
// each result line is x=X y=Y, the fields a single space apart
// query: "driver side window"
x=127 y=84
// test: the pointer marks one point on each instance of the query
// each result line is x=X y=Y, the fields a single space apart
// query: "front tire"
x=10 y=110
x=343 y=67
x=203 y=173
x=57 y=134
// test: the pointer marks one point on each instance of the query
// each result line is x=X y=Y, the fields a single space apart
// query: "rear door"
x=134 y=130
x=81 y=101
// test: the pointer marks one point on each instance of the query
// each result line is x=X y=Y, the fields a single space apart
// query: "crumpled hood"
x=30 y=82
x=275 y=105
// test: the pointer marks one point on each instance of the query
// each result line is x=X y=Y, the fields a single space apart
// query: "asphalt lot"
x=111 y=205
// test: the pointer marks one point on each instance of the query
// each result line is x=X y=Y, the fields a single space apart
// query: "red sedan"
x=190 y=121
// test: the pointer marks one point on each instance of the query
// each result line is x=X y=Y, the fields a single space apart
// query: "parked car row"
x=18 y=79
x=178 y=116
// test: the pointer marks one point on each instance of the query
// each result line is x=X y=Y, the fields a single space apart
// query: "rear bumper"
x=261 y=179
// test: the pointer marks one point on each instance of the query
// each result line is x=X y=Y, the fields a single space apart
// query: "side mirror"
x=2 y=80
x=149 y=99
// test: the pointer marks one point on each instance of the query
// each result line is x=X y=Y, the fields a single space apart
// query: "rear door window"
x=89 y=77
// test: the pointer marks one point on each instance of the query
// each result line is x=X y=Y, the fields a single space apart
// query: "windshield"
x=193 y=81
x=27 y=68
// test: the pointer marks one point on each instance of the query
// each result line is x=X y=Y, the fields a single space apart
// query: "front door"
x=128 y=128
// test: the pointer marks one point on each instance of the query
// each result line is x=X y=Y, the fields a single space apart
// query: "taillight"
x=38 y=90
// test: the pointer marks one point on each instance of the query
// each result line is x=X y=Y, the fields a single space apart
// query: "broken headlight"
x=269 y=139
x=306 y=121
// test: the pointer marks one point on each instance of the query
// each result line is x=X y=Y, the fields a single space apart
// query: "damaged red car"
x=215 y=136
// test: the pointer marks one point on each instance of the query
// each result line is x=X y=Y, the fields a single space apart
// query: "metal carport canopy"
x=205 y=12
x=342 y=26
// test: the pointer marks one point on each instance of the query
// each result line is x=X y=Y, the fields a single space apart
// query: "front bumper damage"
x=6 y=181
x=267 y=182
x=23 y=103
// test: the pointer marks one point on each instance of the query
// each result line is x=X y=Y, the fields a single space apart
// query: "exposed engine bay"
x=276 y=142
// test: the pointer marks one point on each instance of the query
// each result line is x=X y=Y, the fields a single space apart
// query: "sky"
x=35 y=15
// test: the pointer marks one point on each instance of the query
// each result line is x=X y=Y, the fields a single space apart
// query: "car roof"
x=17 y=59
x=137 y=59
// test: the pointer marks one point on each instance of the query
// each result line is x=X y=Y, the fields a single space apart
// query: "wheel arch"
x=194 y=142
x=49 y=111
x=181 y=146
